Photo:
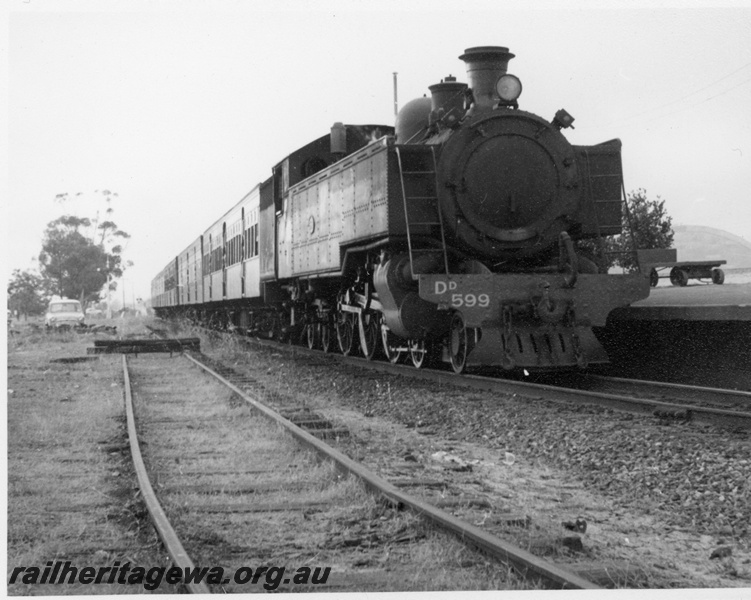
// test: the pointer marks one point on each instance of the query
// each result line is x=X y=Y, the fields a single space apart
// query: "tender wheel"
x=345 y=334
x=390 y=345
x=458 y=343
x=718 y=276
x=678 y=277
x=419 y=351
x=654 y=277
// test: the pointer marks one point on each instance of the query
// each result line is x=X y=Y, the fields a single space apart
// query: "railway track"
x=521 y=561
x=262 y=371
x=714 y=406
x=701 y=397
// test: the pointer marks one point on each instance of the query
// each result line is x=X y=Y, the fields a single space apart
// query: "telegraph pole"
x=396 y=103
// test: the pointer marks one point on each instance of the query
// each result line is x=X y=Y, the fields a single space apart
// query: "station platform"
x=699 y=334
x=694 y=302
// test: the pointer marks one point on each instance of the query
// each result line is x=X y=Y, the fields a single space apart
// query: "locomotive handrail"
x=567 y=260
x=405 y=200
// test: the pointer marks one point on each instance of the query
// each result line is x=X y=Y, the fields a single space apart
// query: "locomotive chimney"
x=485 y=64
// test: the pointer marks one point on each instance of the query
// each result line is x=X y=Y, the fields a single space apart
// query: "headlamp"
x=509 y=87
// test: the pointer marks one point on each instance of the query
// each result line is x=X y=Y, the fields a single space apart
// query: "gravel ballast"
x=686 y=477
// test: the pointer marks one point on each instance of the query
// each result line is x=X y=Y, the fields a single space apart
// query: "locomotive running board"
x=533 y=321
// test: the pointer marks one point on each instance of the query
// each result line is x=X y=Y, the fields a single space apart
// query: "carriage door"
x=223 y=258
x=243 y=255
x=177 y=282
x=210 y=266
x=186 y=285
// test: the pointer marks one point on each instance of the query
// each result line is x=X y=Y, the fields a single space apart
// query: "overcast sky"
x=182 y=107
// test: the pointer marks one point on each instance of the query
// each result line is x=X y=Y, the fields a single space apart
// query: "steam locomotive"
x=456 y=236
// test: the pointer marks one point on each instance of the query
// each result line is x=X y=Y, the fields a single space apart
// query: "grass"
x=428 y=560
x=69 y=496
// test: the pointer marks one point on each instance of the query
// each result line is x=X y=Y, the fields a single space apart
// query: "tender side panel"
x=343 y=205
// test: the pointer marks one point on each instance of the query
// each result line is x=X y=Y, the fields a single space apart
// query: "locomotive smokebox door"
x=506 y=185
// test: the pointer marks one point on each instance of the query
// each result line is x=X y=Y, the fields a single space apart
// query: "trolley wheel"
x=718 y=276
x=368 y=331
x=419 y=352
x=390 y=345
x=678 y=277
x=458 y=343
x=654 y=277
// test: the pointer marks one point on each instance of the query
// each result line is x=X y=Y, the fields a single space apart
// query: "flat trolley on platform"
x=656 y=262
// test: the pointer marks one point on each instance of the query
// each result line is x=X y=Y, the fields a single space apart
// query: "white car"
x=64 y=313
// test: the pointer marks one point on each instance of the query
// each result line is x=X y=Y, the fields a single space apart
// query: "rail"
x=163 y=527
x=625 y=402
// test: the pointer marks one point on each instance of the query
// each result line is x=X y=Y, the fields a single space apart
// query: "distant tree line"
x=79 y=259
